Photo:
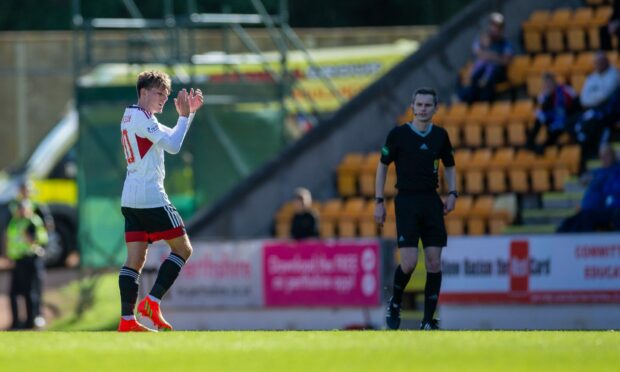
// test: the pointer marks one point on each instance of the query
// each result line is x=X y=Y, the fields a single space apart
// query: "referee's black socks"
x=168 y=272
x=431 y=294
x=400 y=282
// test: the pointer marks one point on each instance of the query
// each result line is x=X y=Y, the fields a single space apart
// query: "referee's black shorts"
x=419 y=215
x=152 y=224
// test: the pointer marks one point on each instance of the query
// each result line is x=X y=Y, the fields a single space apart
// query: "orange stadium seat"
x=499 y=113
x=516 y=133
x=472 y=134
x=454 y=132
x=518 y=68
x=367 y=224
x=456 y=114
x=562 y=64
x=389 y=227
x=478 y=112
x=494 y=136
x=349 y=217
x=540 y=180
x=479 y=215
x=540 y=64
x=283 y=219
x=523 y=111
x=368 y=174
x=347 y=174
x=329 y=215
x=601 y=17
x=537 y=21
x=455 y=220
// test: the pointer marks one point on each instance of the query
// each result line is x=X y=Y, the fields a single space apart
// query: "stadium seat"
x=389 y=227
x=479 y=215
x=517 y=70
x=347 y=174
x=570 y=157
x=474 y=171
x=554 y=40
x=533 y=41
x=283 y=219
x=496 y=175
x=516 y=133
x=456 y=114
x=455 y=135
x=390 y=182
x=560 y=19
x=540 y=180
x=472 y=134
x=367 y=224
x=494 y=136
x=455 y=220
x=576 y=39
x=533 y=84
x=499 y=113
x=329 y=215
x=368 y=173
x=601 y=17
x=537 y=21
x=523 y=111
x=478 y=112
x=560 y=175
x=541 y=63
x=562 y=65
x=349 y=217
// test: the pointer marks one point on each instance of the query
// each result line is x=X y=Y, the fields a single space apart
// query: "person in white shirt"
x=599 y=85
x=149 y=215
x=600 y=100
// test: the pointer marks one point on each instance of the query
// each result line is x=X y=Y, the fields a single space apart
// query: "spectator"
x=556 y=103
x=612 y=27
x=305 y=222
x=26 y=235
x=600 y=100
x=600 y=206
x=493 y=53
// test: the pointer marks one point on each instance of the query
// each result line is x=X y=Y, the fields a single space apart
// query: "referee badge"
x=385 y=151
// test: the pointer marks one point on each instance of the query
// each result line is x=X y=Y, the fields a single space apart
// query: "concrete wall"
x=36 y=70
x=361 y=126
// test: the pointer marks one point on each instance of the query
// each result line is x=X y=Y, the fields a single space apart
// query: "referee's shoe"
x=392 y=317
x=429 y=325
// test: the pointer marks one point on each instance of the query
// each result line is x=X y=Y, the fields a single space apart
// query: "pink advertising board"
x=321 y=273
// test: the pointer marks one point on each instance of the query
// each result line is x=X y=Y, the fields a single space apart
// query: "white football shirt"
x=144 y=184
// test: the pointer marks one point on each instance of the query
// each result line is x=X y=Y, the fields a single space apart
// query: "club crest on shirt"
x=152 y=129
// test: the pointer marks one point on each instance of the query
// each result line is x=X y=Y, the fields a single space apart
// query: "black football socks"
x=168 y=272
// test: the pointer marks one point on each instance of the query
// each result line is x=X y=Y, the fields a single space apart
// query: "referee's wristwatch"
x=453 y=192
x=378 y=200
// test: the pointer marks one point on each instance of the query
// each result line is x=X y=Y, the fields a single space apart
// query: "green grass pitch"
x=311 y=351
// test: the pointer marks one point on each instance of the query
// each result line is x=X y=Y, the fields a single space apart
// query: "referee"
x=416 y=148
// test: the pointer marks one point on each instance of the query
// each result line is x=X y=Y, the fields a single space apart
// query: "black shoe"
x=393 y=315
x=429 y=325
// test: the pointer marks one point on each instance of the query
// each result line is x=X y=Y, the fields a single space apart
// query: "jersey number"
x=127 y=147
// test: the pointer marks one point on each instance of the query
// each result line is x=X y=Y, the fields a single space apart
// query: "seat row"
x=354 y=217
x=564 y=29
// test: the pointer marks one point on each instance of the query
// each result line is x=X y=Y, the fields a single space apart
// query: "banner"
x=219 y=274
x=567 y=268
x=321 y=273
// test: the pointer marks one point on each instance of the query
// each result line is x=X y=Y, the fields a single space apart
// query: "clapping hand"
x=196 y=100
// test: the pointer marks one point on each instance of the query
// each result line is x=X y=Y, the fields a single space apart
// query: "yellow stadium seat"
x=389 y=227
x=368 y=173
x=540 y=180
x=562 y=65
x=570 y=157
x=472 y=133
x=456 y=114
x=478 y=112
x=329 y=215
x=494 y=136
x=540 y=64
x=523 y=111
x=560 y=175
x=367 y=224
x=349 y=217
x=517 y=69
x=537 y=21
x=499 y=113
x=516 y=134
x=454 y=132
x=554 y=39
x=348 y=172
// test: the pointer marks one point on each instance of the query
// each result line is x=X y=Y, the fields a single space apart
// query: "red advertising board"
x=321 y=273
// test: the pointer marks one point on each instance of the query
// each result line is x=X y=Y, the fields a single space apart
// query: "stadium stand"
x=489 y=139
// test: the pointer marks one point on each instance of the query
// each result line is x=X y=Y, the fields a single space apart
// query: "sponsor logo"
x=153 y=129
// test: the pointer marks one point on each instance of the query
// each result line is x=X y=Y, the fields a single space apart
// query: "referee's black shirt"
x=417 y=155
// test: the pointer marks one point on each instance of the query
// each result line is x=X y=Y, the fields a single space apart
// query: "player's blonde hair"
x=153 y=79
